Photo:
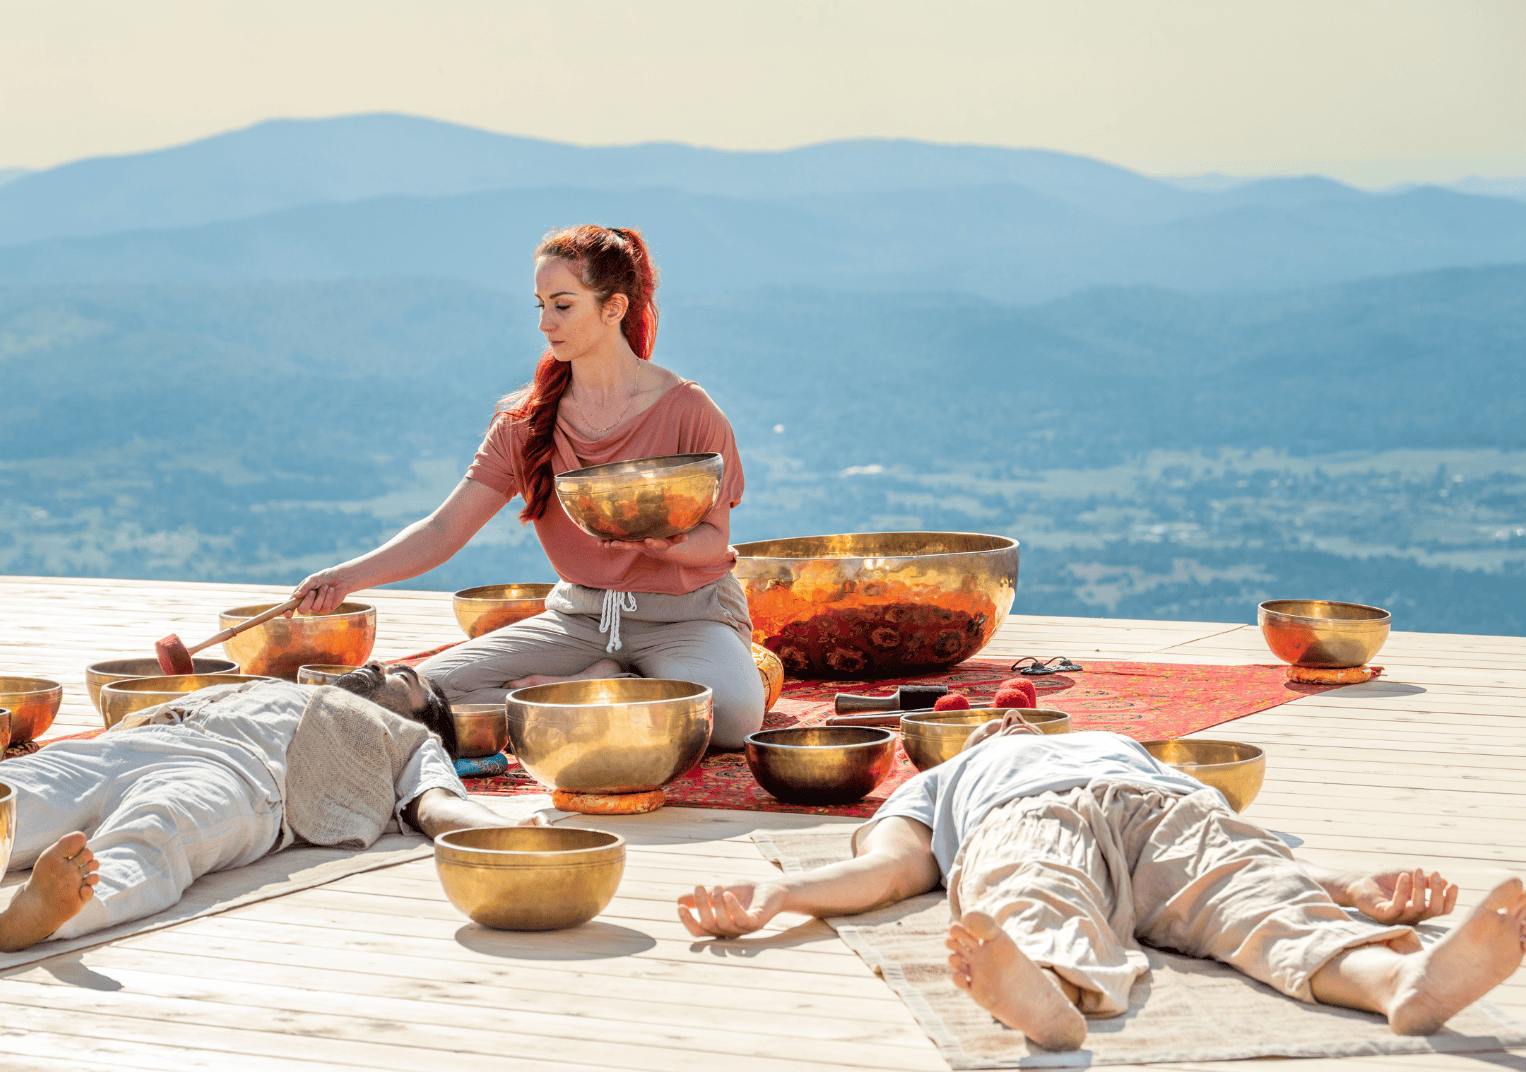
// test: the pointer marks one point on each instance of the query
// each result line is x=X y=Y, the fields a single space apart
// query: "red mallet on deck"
x=952 y=702
x=1016 y=692
x=175 y=657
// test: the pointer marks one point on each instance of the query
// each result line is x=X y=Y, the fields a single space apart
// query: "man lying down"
x=218 y=780
x=1059 y=851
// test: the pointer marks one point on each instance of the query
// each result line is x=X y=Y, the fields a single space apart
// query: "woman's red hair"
x=609 y=261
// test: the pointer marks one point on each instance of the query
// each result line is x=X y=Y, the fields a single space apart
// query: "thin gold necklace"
x=629 y=402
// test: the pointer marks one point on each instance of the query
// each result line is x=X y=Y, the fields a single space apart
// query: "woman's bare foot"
x=988 y=966
x=60 y=884
x=602 y=668
x=1480 y=953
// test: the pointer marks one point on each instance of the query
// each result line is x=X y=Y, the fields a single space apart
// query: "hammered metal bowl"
x=610 y=735
x=493 y=606
x=33 y=703
x=529 y=878
x=1234 y=769
x=481 y=729
x=933 y=737
x=282 y=646
x=5 y=734
x=877 y=604
x=7 y=824
x=1323 y=634
x=322 y=674
x=645 y=498
x=121 y=698
x=104 y=673
x=820 y=765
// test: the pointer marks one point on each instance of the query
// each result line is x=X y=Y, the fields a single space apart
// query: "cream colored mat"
x=272 y=876
x=1185 y=1010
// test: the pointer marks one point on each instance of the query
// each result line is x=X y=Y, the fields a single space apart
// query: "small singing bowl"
x=493 y=606
x=282 y=646
x=645 y=498
x=321 y=674
x=610 y=735
x=1322 y=634
x=933 y=737
x=7 y=824
x=481 y=729
x=121 y=698
x=1234 y=769
x=104 y=673
x=820 y=765
x=529 y=878
x=33 y=703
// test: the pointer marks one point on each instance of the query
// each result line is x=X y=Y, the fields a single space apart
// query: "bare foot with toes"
x=1479 y=954
x=59 y=886
x=602 y=668
x=988 y=966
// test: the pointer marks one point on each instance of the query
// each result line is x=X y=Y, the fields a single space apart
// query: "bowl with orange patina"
x=644 y=498
x=877 y=604
x=282 y=646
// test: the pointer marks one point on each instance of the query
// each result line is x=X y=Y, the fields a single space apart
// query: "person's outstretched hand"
x=729 y=911
x=322 y=592
x=1402 y=896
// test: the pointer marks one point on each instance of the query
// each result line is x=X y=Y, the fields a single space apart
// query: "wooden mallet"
x=175 y=657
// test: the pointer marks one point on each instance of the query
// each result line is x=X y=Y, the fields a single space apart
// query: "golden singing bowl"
x=7 y=824
x=481 y=729
x=645 y=498
x=610 y=735
x=121 y=698
x=933 y=737
x=529 y=878
x=1234 y=769
x=321 y=674
x=1320 y=633
x=5 y=734
x=877 y=604
x=821 y=765
x=493 y=606
x=282 y=646
x=33 y=703
x=104 y=673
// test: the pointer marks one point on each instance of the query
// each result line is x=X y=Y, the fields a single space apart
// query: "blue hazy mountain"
x=1006 y=243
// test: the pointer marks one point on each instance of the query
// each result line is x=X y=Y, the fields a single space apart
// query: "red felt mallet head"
x=1016 y=689
x=952 y=702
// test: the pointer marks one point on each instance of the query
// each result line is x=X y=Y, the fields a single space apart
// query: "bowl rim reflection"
x=1257 y=752
x=27 y=685
x=344 y=610
x=480 y=593
x=1378 y=615
x=641 y=467
x=758 y=738
x=517 y=697
x=1002 y=543
x=521 y=856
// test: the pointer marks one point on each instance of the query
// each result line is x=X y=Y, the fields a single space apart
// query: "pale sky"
x=1368 y=91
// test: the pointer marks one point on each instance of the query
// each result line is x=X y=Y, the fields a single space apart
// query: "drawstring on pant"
x=609 y=621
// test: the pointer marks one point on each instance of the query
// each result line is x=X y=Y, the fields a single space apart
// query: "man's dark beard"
x=365 y=681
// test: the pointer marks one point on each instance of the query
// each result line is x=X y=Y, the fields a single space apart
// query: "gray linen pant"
x=709 y=652
x=1075 y=877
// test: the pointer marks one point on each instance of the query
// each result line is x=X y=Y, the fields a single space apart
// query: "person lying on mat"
x=658 y=608
x=218 y=780
x=1058 y=852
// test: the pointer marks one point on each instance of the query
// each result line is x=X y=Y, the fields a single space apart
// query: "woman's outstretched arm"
x=418 y=549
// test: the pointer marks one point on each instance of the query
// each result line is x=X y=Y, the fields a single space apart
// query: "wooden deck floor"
x=1426 y=767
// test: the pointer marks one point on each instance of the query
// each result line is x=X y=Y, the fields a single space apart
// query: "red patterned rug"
x=1145 y=701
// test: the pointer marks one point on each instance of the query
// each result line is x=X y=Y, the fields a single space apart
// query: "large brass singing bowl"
x=529 y=878
x=5 y=733
x=877 y=604
x=33 y=703
x=610 y=735
x=121 y=698
x=282 y=646
x=933 y=737
x=1234 y=769
x=481 y=729
x=821 y=765
x=645 y=498
x=1323 y=634
x=7 y=824
x=493 y=606
x=104 y=673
